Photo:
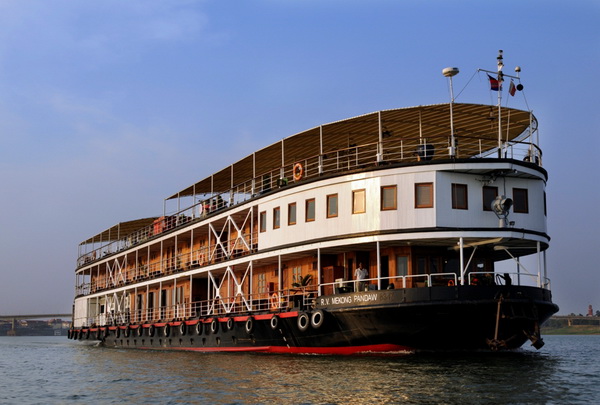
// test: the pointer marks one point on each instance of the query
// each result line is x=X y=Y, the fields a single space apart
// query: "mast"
x=500 y=80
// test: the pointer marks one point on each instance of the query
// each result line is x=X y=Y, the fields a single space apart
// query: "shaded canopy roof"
x=431 y=122
x=120 y=230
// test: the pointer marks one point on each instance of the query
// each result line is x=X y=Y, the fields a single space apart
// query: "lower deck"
x=294 y=280
x=474 y=317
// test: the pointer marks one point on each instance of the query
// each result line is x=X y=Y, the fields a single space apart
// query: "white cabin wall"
x=406 y=216
x=475 y=216
x=80 y=309
x=536 y=218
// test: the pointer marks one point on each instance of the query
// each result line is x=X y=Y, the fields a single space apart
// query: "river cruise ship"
x=378 y=233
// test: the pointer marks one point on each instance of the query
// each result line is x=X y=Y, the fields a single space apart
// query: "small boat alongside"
x=419 y=203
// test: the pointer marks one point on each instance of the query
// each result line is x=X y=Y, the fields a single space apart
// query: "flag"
x=495 y=84
x=512 y=88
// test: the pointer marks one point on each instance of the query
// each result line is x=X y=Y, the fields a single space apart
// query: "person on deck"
x=361 y=274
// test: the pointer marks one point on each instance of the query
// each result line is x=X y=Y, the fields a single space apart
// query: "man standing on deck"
x=361 y=274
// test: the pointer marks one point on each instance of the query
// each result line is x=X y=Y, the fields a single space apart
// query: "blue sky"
x=106 y=108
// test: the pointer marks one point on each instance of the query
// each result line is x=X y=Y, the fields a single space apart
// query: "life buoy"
x=166 y=330
x=450 y=283
x=118 y=332
x=127 y=331
x=214 y=326
x=182 y=329
x=475 y=281
x=298 y=172
x=229 y=323
x=317 y=318
x=275 y=301
x=199 y=328
x=274 y=322
x=303 y=321
x=249 y=325
x=151 y=331
x=139 y=331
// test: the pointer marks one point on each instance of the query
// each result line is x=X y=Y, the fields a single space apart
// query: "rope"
x=463 y=89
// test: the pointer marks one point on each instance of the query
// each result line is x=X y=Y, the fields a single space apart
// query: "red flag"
x=494 y=84
x=512 y=88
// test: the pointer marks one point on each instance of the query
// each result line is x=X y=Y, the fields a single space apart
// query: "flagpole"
x=496 y=85
x=500 y=66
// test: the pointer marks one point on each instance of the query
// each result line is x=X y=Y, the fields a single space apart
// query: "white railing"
x=435 y=280
x=146 y=271
x=277 y=301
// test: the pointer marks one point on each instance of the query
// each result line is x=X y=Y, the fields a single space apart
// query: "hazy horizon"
x=107 y=108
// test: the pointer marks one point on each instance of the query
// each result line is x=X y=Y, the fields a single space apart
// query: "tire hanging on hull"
x=249 y=326
x=274 y=322
x=303 y=321
x=317 y=318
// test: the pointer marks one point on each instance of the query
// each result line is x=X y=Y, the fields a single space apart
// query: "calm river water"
x=54 y=370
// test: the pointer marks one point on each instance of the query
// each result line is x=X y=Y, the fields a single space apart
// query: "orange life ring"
x=450 y=283
x=298 y=171
x=275 y=301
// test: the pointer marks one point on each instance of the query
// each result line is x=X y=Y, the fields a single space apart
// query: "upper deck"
x=408 y=136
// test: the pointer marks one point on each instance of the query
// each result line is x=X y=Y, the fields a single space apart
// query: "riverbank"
x=572 y=330
x=572 y=325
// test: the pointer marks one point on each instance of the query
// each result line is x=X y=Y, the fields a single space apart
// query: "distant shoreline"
x=572 y=325
x=572 y=330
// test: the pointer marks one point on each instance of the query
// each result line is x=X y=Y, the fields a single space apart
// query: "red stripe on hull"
x=382 y=348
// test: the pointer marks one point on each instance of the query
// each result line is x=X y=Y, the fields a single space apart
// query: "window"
x=262 y=283
x=276 y=218
x=310 y=210
x=401 y=266
x=489 y=195
x=459 y=197
x=388 y=198
x=358 y=201
x=424 y=195
x=421 y=265
x=297 y=275
x=520 y=200
x=263 y=221
x=332 y=206
x=292 y=214
x=179 y=297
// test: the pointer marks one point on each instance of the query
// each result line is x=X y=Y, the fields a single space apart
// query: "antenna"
x=450 y=72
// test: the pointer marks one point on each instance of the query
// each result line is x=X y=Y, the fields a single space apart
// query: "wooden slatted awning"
x=120 y=230
x=471 y=121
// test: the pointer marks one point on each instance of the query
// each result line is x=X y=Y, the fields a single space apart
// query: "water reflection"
x=67 y=372
x=253 y=378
